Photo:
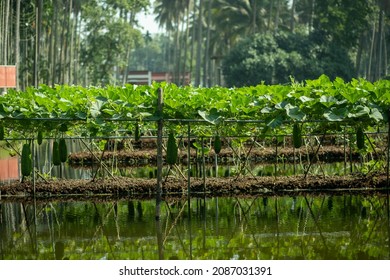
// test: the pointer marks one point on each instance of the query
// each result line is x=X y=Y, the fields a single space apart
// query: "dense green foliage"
x=97 y=41
x=108 y=40
x=103 y=110
x=275 y=58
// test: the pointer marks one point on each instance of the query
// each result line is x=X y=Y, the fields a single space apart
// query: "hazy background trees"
x=226 y=42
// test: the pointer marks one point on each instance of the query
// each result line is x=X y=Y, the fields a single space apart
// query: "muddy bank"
x=131 y=187
x=148 y=156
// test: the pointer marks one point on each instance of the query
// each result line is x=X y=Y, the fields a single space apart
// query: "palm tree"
x=17 y=42
x=242 y=17
x=199 y=44
x=171 y=16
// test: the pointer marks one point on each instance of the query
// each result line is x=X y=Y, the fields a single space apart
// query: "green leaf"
x=282 y=105
x=336 y=114
x=81 y=115
x=96 y=107
x=199 y=147
x=294 y=112
x=275 y=122
x=212 y=117
x=266 y=110
x=305 y=99
x=109 y=112
x=145 y=114
x=328 y=101
x=376 y=115
x=359 y=111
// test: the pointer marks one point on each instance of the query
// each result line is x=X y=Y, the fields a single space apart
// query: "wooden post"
x=276 y=157
x=388 y=156
x=345 y=149
x=160 y=104
x=33 y=165
x=387 y=172
x=203 y=168
x=189 y=159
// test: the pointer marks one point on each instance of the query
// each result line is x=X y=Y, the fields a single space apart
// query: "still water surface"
x=300 y=227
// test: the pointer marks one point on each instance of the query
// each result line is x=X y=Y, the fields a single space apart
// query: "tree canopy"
x=98 y=41
x=276 y=58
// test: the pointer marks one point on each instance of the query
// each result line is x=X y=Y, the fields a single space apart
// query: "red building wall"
x=9 y=169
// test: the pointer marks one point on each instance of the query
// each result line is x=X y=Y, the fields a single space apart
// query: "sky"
x=147 y=22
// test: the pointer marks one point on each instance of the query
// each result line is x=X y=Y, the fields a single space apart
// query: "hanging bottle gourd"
x=56 y=153
x=63 y=150
x=26 y=161
x=171 y=157
x=360 y=138
x=217 y=144
x=297 y=136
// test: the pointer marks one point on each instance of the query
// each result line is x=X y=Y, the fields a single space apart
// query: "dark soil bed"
x=121 y=187
x=130 y=187
x=148 y=156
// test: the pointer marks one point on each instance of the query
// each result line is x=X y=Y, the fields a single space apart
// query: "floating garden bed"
x=148 y=156
x=289 y=123
x=130 y=187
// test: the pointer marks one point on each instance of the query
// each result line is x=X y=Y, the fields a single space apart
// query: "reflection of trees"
x=312 y=227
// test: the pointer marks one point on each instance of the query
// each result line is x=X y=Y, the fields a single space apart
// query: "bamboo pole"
x=388 y=155
x=160 y=104
x=189 y=159
x=33 y=166
x=203 y=167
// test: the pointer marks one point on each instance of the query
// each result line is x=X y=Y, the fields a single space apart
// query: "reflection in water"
x=299 y=227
